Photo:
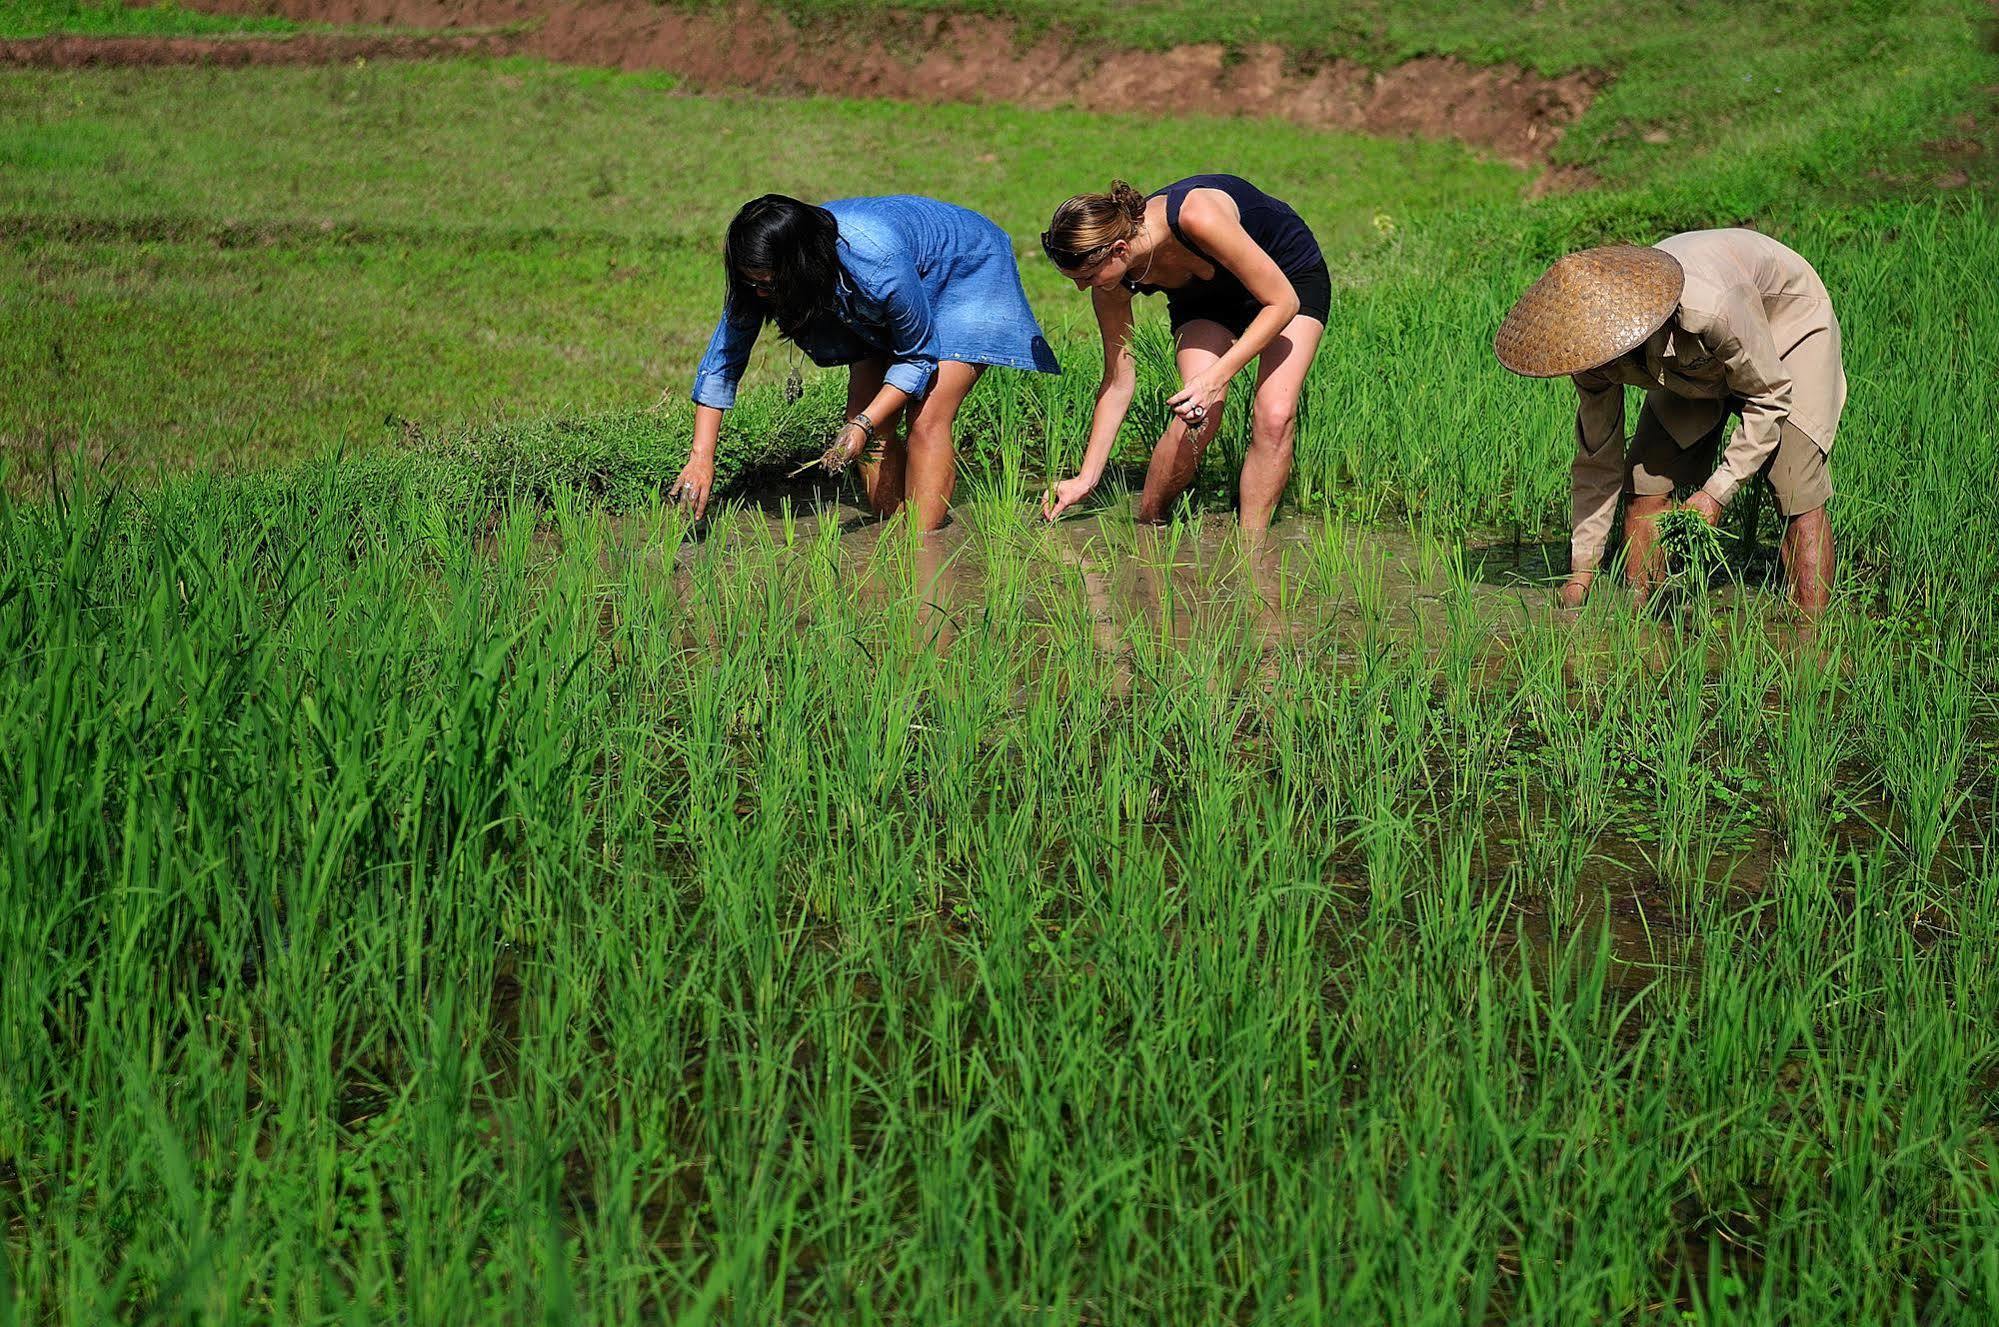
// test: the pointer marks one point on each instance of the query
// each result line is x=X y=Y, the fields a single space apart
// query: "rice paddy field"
x=446 y=884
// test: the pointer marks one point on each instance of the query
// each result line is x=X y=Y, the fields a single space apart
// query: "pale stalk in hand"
x=1066 y=494
x=848 y=446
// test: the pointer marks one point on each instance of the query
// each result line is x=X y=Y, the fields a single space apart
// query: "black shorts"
x=1236 y=308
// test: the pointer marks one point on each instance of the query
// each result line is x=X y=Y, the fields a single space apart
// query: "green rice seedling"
x=1674 y=734
x=1921 y=738
x=1809 y=739
x=1692 y=552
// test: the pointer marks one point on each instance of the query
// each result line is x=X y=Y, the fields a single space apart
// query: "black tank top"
x=1281 y=232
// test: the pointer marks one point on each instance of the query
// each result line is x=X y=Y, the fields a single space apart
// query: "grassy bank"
x=539 y=242
x=1696 y=76
x=112 y=18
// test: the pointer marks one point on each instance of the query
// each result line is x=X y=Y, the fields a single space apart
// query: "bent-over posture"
x=916 y=296
x=1712 y=323
x=1244 y=280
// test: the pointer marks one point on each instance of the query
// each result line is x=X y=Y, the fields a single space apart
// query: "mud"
x=1512 y=113
x=1167 y=585
x=303 y=49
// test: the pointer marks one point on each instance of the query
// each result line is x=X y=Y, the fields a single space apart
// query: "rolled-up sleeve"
x=1739 y=336
x=893 y=283
x=1598 y=471
x=728 y=353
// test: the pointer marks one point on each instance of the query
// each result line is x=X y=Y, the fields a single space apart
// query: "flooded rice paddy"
x=591 y=915
x=1321 y=604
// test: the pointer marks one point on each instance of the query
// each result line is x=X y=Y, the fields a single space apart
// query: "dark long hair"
x=795 y=243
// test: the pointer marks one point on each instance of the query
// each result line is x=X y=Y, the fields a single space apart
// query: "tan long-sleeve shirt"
x=1755 y=328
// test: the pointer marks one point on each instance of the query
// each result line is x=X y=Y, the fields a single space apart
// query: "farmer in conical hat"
x=916 y=296
x=1711 y=323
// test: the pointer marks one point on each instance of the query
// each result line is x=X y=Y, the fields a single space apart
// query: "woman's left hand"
x=847 y=446
x=1199 y=400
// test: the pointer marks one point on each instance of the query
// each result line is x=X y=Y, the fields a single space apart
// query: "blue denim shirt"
x=920 y=281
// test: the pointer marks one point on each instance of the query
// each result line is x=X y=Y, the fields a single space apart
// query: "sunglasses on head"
x=1069 y=259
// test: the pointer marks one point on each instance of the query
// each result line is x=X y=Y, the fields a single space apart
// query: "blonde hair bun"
x=1088 y=223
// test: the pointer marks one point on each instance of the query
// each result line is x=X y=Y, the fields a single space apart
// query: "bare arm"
x=707 y=433
x=715 y=380
x=1114 y=392
x=1210 y=218
x=1119 y=382
x=696 y=483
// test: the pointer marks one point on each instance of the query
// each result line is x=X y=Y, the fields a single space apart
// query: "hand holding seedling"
x=1689 y=542
x=1200 y=398
x=848 y=444
x=1709 y=509
x=1065 y=495
x=1576 y=589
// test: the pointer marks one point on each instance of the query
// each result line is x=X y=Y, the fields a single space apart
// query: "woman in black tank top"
x=1244 y=280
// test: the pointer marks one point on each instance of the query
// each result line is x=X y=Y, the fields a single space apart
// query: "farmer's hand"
x=1200 y=400
x=1576 y=589
x=847 y=446
x=1709 y=509
x=696 y=482
x=1066 y=495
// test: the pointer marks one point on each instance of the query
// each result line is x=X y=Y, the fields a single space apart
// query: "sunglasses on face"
x=1070 y=260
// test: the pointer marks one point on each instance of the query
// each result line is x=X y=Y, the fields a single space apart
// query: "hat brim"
x=1588 y=309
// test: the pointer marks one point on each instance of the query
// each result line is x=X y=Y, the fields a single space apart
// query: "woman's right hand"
x=1066 y=495
x=1575 y=589
x=696 y=482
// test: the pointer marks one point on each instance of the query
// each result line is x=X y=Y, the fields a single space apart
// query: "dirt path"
x=302 y=49
x=1512 y=113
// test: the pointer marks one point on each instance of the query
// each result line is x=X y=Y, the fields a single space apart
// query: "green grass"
x=111 y=18
x=220 y=292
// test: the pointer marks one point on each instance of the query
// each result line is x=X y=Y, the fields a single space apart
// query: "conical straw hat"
x=1588 y=309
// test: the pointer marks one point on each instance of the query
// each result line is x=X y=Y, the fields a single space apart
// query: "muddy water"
x=1184 y=587
x=1302 y=578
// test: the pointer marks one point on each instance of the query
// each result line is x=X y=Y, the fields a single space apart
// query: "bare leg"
x=1641 y=540
x=1808 y=560
x=933 y=458
x=1280 y=380
x=881 y=480
x=1177 y=454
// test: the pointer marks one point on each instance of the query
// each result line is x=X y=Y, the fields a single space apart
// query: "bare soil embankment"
x=1513 y=113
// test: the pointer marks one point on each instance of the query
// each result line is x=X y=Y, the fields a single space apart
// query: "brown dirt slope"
x=1510 y=112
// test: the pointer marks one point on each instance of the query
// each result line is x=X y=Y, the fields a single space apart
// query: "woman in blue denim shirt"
x=916 y=296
